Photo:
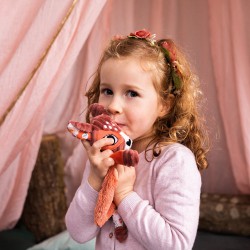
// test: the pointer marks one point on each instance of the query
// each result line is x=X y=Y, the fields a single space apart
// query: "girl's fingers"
x=98 y=144
x=109 y=162
x=86 y=144
x=102 y=142
x=116 y=173
x=106 y=153
x=121 y=169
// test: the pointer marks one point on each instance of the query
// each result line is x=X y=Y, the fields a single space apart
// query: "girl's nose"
x=114 y=107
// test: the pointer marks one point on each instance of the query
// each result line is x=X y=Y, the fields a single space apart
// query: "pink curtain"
x=60 y=28
x=230 y=40
x=51 y=48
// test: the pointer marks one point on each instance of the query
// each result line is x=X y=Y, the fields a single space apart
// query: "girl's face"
x=127 y=91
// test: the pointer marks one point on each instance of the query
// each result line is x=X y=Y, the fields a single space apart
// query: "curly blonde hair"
x=183 y=123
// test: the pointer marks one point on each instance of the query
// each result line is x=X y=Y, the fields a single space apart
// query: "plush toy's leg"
x=118 y=157
x=121 y=230
x=105 y=206
x=126 y=157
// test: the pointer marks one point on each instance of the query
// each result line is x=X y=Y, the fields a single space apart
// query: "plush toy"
x=102 y=126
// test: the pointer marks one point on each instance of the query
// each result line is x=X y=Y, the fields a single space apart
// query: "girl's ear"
x=166 y=105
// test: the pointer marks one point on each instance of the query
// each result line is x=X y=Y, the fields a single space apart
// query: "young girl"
x=150 y=92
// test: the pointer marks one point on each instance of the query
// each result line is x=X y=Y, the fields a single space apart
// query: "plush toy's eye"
x=112 y=137
x=129 y=142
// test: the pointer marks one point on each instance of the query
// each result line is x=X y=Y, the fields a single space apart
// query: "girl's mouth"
x=121 y=125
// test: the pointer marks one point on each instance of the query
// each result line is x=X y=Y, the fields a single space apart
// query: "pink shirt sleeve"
x=80 y=216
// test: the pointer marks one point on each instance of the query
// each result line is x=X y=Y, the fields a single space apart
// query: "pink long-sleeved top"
x=161 y=213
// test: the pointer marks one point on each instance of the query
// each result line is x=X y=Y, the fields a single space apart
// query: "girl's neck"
x=141 y=143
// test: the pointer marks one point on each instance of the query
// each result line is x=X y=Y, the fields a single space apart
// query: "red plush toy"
x=102 y=126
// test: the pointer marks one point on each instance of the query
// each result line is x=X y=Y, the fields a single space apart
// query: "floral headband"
x=169 y=53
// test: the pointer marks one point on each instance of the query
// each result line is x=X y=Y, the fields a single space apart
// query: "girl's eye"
x=106 y=91
x=132 y=93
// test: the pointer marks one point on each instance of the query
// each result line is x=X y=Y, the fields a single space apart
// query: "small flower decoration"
x=140 y=34
x=143 y=34
x=169 y=51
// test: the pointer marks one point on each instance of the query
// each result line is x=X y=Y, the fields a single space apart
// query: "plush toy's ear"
x=82 y=131
x=96 y=109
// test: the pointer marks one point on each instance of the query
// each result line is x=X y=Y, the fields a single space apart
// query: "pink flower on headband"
x=169 y=49
x=141 y=34
x=144 y=35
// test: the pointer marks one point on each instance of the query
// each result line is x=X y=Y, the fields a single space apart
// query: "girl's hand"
x=126 y=178
x=100 y=162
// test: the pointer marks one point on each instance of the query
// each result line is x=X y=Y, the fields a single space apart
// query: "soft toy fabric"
x=102 y=126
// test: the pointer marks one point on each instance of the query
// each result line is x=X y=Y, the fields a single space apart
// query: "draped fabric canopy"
x=44 y=60
x=51 y=48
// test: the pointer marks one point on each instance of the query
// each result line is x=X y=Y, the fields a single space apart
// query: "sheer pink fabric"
x=31 y=28
x=213 y=33
x=231 y=61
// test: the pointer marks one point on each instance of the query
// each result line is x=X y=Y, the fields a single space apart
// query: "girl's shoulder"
x=176 y=162
x=175 y=151
x=176 y=156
